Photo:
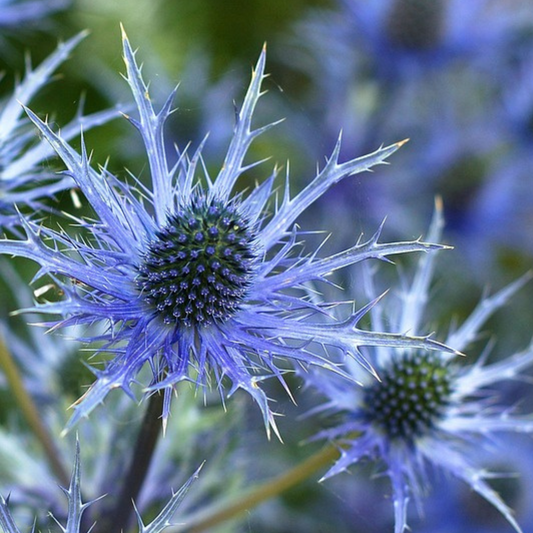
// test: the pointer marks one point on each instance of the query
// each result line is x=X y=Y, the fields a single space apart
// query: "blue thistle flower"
x=20 y=156
x=426 y=410
x=409 y=37
x=188 y=274
x=381 y=66
x=76 y=507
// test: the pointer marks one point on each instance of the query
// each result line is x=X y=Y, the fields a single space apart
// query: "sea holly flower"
x=410 y=37
x=76 y=507
x=190 y=275
x=22 y=179
x=427 y=410
x=377 y=68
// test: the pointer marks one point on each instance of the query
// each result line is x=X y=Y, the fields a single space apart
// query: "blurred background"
x=453 y=76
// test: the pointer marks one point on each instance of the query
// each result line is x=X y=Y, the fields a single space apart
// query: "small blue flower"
x=76 y=507
x=191 y=276
x=20 y=155
x=432 y=70
x=426 y=410
x=410 y=37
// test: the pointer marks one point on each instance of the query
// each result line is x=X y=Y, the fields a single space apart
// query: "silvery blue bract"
x=24 y=181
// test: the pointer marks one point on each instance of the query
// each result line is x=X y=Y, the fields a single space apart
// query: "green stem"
x=119 y=516
x=31 y=414
x=261 y=493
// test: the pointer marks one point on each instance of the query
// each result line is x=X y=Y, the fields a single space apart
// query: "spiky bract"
x=76 y=507
x=23 y=180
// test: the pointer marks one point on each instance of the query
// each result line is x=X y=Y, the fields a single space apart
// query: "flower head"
x=190 y=276
x=22 y=180
x=408 y=37
x=426 y=409
x=379 y=67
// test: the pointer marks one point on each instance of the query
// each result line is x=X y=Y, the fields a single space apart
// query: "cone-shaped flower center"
x=411 y=396
x=197 y=270
x=416 y=24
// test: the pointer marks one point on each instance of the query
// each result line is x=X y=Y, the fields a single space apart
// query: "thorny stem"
x=31 y=414
x=120 y=515
x=254 y=496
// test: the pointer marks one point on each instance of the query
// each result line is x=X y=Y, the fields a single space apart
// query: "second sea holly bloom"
x=427 y=413
x=191 y=276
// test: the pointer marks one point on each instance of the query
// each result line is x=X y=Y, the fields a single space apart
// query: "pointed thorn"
x=401 y=143
x=123 y=32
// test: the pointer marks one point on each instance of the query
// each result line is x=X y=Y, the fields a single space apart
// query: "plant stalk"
x=31 y=414
x=254 y=496
x=120 y=515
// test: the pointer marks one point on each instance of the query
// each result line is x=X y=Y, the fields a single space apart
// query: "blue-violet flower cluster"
x=426 y=409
